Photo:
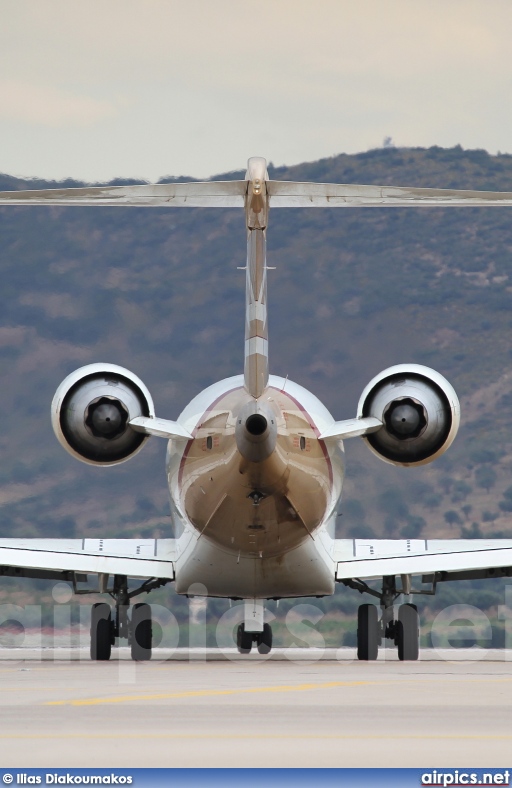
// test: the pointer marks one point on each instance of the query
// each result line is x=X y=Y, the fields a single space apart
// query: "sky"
x=148 y=88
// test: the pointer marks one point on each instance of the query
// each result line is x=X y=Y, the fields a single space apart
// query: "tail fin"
x=256 y=331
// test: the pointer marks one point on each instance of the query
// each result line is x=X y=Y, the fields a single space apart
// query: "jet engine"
x=420 y=412
x=91 y=411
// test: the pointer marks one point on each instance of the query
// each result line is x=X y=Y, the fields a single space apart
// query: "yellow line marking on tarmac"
x=252 y=690
x=203 y=693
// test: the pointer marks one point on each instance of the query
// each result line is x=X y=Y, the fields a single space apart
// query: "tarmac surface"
x=298 y=708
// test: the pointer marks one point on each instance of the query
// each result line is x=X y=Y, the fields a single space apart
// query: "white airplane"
x=255 y=462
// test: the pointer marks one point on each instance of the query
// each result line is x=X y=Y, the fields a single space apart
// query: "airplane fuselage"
x=255 y=528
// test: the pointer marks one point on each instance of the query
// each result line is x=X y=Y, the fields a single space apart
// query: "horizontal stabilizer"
x=351 y=428
x=162 y=428
x=285 y=194
x=370 y=558
x=215 y=194
x=232 y=194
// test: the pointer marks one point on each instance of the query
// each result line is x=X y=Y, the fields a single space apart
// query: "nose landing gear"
x=244 y=640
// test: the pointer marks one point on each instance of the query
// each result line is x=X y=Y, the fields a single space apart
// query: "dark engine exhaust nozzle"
x=255 y=432
x=256 y=424
x=106 y=417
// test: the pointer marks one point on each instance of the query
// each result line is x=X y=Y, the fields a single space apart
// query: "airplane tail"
x=256 y=330
x=256 y=194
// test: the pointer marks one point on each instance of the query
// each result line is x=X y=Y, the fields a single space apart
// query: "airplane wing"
x=232 y=194
x=73 y=559
x=435 y=559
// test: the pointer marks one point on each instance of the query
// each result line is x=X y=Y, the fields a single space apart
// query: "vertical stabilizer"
x=256 y=331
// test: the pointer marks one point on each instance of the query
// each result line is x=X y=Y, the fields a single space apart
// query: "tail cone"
x=256 y=432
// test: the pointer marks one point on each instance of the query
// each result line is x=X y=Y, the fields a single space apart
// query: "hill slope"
x=354 y=291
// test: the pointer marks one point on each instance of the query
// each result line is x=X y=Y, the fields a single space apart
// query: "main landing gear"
x=107 y=623
x=403 y=630
x=263 y=640
x=102 y=631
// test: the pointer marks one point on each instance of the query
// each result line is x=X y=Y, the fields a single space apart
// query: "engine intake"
x=420 y=412
x=91 y=411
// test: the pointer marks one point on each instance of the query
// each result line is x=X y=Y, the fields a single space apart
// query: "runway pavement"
x=299 y=708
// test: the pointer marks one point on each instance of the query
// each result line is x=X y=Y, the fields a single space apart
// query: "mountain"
x=354 y=291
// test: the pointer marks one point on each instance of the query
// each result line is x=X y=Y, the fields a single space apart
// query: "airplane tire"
x=408 y=632
x=243 y=640
x=101 y=631
x=368 y=637
x=141 y=640
x=265 y=640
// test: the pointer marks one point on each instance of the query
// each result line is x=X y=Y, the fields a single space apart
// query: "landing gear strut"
x=404 y=630
x=137 y=628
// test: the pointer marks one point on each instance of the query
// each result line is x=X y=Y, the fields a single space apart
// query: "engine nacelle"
x=91 y=411
x=420 y=412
